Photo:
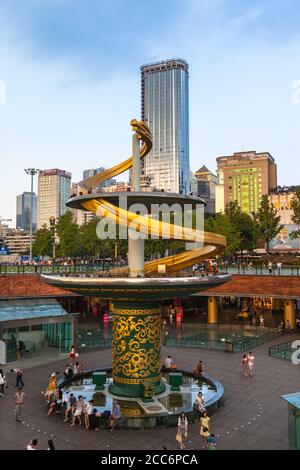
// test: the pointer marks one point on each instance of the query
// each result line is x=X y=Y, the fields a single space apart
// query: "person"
x=50 y=445
x=3 y=382
x=32 y=445
x=87 y=411
x=68 y=372
x=281 y=327
x=279 y=264
x=72 y=357
x=182 y=428
x=212 y=442
x=78 y=410
x=55 y=402
x=76 y=368
x=254 y=320
x=168 y=362
x=19 y=402
x=52 y=386
x=204 y=429
x=94 y=420
x=115 y=415
x=70 y=407
x=261 y=321
x=270 y=267
x=19 y=377
x=297 y=322
x=199 y=404
x=250 y=362
x=199 y=369
x=244 y=365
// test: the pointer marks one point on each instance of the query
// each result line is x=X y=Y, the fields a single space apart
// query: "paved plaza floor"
x=253 y=415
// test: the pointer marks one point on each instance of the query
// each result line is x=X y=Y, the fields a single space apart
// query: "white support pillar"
x=136 y=247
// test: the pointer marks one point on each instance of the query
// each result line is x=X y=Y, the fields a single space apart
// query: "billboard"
x=283 y=242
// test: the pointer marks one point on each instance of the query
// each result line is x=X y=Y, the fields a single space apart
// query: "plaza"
x=252 y=417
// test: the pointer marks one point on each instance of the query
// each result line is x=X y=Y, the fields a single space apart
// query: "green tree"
x=295 y=205
x=68 y=235
x=244 y=225
x=267 y=220
x=43 y=243
x=221 y=224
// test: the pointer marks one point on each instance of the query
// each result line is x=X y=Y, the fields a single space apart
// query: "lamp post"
x=31 y=172
x=52 y=227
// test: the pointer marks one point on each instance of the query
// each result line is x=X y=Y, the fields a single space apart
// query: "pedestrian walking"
x=250 y=361
x=199 y=405
x=72 y=357
x=212 y=442
x=3 y=383
x=19 y=377
x=182 y=429
x=244 y=365
x=19 y=402
x=204 y=429
x=279 y=264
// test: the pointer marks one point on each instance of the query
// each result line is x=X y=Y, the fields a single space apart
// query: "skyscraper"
x=94 y=171
x=245 y=177
x=165 y=108
x=23 y=211
x=53 y=192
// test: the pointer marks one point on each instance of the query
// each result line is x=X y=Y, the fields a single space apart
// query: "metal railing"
x=57 y=268
x=260 y=270
x=238 y=345
x=282 y=350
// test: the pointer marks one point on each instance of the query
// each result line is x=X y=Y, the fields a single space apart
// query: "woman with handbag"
x=204 y=429
x=182 y=430
x=2 y=383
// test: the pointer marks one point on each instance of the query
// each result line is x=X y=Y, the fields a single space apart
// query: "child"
x=212 y=442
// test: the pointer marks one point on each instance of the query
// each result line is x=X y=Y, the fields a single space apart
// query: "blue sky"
x=71 y=69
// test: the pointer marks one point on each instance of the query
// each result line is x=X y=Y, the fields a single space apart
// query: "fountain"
x=137 y=289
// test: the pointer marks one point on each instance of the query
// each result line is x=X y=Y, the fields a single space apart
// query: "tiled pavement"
x=253 y=415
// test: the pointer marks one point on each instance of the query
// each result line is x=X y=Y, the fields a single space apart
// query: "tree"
x=267 y=220
x=295 y=205
x=244 y=225
x=68 y=234
x=43 y=243
x=222 y=225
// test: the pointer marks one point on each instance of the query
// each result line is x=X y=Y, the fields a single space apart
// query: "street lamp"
x=31 y=172
x=52 y=228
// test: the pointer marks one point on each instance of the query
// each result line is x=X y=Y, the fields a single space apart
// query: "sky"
x=70 y=81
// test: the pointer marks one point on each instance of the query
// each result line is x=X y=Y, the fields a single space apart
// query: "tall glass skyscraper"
x=165 y=108
x=23 y=211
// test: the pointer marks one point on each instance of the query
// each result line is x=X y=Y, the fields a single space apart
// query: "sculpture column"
x=289 y=312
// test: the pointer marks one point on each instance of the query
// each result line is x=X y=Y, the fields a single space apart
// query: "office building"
x=207 y=182
x=165 y=108
x=23 y=211
x=53 y=192
x=94 y=171
x=245 y=177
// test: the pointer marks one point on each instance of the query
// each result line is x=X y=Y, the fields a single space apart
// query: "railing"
x=57 y=268
x=260 y=270
x=200 y=341
x=282 y=351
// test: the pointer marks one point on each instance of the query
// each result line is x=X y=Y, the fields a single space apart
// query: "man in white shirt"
x=168 y=362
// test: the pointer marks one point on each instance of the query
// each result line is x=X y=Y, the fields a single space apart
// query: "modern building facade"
x=165 y=108
x=94 y=171
x=207 y=182
x=246 y=177
x=53 y=192
x=18 y=242
x=23 y=211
